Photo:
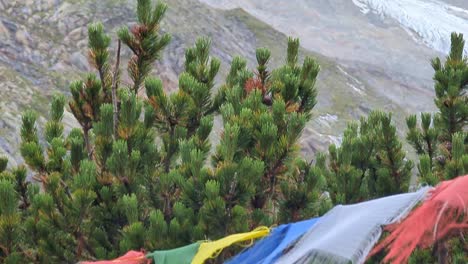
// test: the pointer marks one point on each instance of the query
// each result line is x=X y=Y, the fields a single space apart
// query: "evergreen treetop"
x=139 y=172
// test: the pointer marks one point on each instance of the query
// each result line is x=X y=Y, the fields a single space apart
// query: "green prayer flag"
x=182 y=255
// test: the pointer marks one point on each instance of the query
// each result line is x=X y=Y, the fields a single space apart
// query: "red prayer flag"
x=131 y=257
x=440 y=216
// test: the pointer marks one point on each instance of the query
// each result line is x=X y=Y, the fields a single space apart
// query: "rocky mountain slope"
x=387 y=43
x=43 y=48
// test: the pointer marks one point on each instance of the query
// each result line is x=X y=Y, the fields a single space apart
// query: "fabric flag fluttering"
x=271 y=247
x=131 y=257
x=182 y=255
x=445 y=211
x=346 y=234
x=196 y=253
x=213 y=249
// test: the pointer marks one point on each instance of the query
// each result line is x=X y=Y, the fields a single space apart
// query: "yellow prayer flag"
x=212 y=249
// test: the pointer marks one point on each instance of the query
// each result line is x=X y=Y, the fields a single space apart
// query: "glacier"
x=431 y=20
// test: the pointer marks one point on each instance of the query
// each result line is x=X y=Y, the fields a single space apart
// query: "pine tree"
x=14 y=193
x=224 y=198
x=442 y=140
x=369 y=163
x=139 y=172
x=304 y=197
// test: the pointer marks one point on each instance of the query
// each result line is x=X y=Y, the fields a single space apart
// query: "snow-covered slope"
x=430 y=20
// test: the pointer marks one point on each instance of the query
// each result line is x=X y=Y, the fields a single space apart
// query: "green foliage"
x=441 y=140
x=10 y=224
x=451 y=80
x=3 y=164
x=369 y=163
x=141 y=172
x=302 y=195
x=198 y=81
x=99 y=54
x=435 y=138
x=30 y=148
x=144 y=40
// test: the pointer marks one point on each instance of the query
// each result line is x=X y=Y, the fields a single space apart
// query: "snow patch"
x=360 y=89
x=221 y=4
x=362 y=6
x=336 y=140
x=349 y=75
x=432 y=20
x=327 y=119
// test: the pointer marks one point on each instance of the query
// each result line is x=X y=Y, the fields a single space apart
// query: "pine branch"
x=87 y=142
x=114 y=91
x=83 y=243
x=102 y=77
